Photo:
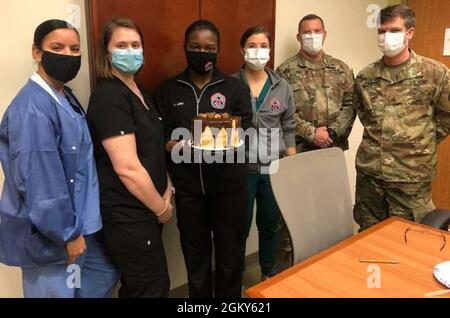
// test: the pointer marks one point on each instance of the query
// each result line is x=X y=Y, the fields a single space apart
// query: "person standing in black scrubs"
x=135 y=192
x=210 y=198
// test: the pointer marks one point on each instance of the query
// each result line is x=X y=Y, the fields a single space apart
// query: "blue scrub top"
x=50 y=194
x=86 y=194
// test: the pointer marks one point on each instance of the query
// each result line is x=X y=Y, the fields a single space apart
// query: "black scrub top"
x=114 y=110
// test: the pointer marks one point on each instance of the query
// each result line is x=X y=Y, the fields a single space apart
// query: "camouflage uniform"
x=322 y=91
x=406 y=113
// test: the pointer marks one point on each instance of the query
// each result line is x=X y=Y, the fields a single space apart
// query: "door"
x=233 y=18
x=433 y=17
x=164 y=22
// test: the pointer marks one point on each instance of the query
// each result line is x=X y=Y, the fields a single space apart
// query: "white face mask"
x=392 y=44
x=312 y=43
x=257 y=58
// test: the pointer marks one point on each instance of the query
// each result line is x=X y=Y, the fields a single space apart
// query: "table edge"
x=256 y=291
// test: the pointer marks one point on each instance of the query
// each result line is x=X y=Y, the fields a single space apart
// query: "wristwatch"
x=332 y=134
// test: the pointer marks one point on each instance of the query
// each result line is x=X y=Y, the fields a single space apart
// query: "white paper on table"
x=447 y=42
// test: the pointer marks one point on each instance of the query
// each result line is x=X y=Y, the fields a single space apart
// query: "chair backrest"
x=313 y=193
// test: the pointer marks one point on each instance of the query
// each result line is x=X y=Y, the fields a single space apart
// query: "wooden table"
x=337 y=272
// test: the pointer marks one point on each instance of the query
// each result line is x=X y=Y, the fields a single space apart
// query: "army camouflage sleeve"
x=344 y=122
x=281 y=72
x=304 y=128
x=357 y=97
x=443 y=108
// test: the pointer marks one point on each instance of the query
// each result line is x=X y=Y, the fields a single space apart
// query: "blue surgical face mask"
x=128 y=61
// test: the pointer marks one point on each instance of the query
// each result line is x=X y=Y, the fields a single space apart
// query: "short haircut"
x=310 y=17
x=102 y=63
x=201 y=25
x=399 y=10
x=258 y=29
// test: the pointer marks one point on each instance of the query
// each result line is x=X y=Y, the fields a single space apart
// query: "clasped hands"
x=322 y=138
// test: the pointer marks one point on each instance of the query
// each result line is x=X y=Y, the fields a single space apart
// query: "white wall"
x=19 y=20
x=348 y=39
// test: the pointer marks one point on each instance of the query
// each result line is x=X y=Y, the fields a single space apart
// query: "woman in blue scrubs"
x=49 y=210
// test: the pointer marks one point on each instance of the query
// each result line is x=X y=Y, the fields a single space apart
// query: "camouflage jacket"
x=404 y=119
x=321 y=92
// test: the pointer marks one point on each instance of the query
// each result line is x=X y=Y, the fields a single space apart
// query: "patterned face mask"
x=201 y=62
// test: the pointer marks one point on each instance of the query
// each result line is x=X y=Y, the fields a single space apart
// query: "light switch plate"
x=447 y=42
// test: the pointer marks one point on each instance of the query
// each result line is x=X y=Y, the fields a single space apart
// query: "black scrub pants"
x=137 y=251
x=215 y=217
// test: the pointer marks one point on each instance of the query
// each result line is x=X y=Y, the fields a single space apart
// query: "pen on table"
x=381 y=261
x=438 y=293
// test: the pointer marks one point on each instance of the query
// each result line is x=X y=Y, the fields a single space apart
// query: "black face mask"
x=201 y=62
x=60 y=67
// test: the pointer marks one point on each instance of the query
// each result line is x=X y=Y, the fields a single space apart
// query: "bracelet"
x=165 y=210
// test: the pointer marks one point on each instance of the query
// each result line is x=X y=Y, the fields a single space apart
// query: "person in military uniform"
x=323 y=88
x=403 y=101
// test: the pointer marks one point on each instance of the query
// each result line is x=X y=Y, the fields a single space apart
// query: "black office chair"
x=438 y=218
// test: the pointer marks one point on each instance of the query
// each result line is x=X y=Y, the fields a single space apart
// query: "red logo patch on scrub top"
x=275 y=104
x=218 y=101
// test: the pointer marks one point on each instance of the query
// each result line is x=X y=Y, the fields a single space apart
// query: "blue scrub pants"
x=94 y=277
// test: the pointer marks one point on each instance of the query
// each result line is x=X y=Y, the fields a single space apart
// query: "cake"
x=216 y=130
x=221 y=139
x=207 y=139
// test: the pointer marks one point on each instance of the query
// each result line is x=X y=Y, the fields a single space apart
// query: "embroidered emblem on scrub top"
x=178 y=104
x=275 y=105
x=218 y=101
